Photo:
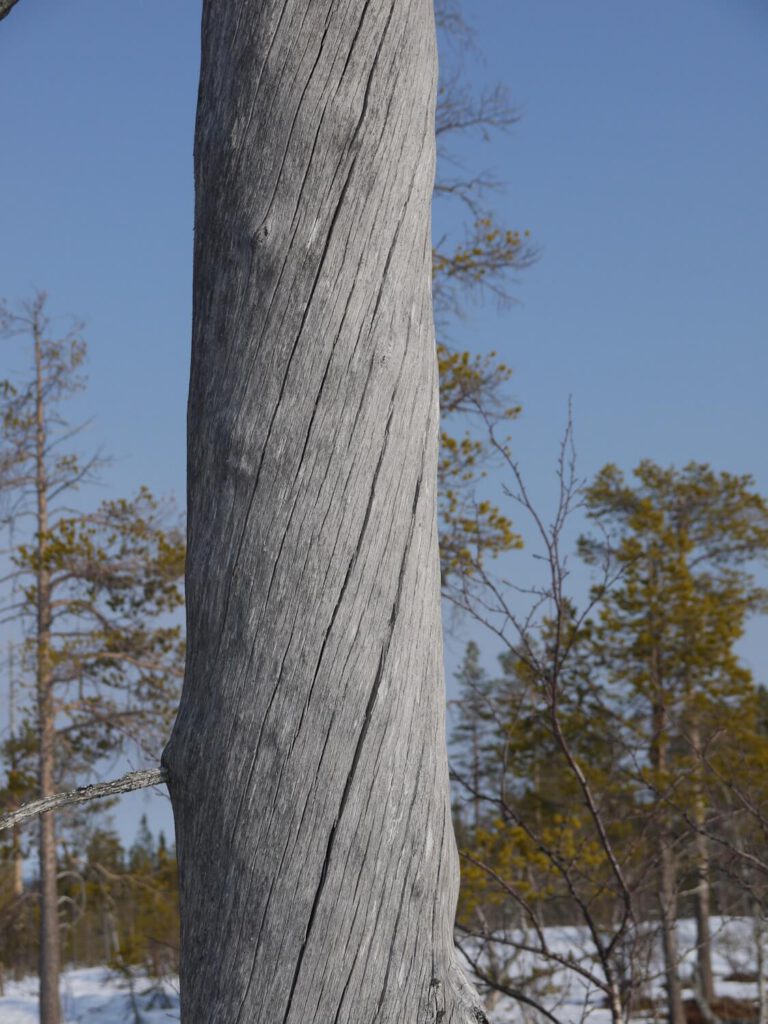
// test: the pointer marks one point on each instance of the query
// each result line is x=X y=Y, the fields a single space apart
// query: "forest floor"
x=96 y=995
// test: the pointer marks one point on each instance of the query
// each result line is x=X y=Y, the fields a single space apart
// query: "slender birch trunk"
x=667 y=865
x=50 y=943
x=668 y=905
x=703 y=885
x=758 y=925
x=308 y=769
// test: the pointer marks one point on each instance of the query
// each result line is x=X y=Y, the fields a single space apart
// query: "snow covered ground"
x=94 y=995
x=98 y=996
x=572 y=1000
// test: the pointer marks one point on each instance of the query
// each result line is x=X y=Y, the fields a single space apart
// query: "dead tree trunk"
x=308 y=767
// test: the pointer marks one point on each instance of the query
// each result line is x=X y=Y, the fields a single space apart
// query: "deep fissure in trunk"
x=307 y=767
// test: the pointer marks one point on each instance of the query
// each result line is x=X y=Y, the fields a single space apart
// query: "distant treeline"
x=117 y=906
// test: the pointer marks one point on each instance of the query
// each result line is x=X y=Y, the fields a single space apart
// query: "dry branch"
x=83 y=794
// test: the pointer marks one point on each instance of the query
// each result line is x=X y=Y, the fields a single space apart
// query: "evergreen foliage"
x=622 y=783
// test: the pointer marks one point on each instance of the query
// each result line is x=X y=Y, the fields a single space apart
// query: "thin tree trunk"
x=703 y=887
x=16 y=856
x=668 y=905
x=667 y=866
x=308 y=769
x=18 y=863
x=50 y=943
x=475 y=780
x=614 y=1002
x=758 y=923
x=19 y=917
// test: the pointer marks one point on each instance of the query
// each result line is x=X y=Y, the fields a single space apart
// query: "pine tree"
x=472 y=735
x=94 y=592
x=479 y=261
x=685 y=541
x=555 y=847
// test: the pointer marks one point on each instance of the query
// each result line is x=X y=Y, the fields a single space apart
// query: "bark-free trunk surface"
x=307 y=767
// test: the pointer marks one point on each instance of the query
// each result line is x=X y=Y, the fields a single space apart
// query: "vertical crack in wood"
x=314 y=599
x=356 y=757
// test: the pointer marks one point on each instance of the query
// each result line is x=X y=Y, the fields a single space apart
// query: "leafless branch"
x=84 y=794
x=499 y=986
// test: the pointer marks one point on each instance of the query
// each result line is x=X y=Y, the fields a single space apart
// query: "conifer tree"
x=481 y=260
x=685 y=541
x=94 y=593
x=472 y=733
x=556 y=848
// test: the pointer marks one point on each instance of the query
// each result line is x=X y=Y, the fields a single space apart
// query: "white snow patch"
x=94 y=995
x=571 y=998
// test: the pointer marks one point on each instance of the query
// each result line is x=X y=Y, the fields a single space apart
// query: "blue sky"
x=639 y=165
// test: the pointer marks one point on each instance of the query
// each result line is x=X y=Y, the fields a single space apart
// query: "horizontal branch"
x=83 y=794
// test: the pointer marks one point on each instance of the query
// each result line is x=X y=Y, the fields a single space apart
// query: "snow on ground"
x=94 y=995
x=573 y=1000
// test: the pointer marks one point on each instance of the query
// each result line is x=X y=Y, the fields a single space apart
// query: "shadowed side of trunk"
x=307 y=767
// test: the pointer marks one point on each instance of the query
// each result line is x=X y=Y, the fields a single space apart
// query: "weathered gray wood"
x=307 y=768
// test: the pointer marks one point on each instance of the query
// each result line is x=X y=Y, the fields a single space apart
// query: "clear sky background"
x=639 y=165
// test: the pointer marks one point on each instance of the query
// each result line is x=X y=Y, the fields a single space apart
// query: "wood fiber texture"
x=307 y=767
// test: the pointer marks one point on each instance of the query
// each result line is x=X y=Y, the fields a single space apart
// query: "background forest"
x=608 y=732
